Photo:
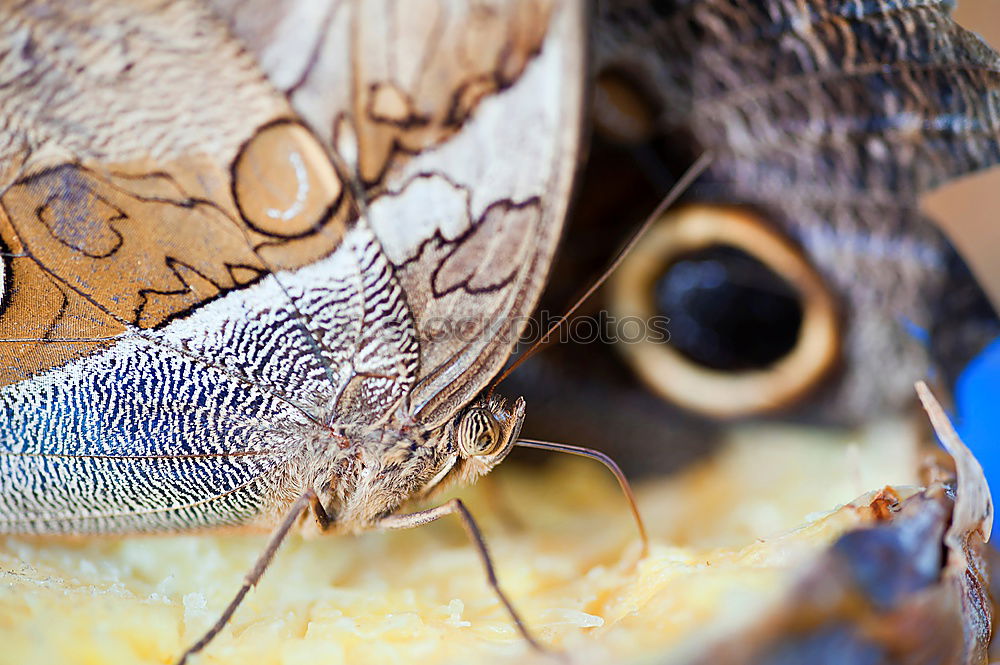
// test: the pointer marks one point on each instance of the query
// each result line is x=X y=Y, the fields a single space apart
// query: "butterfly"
x=261 y=259
x=827 y=122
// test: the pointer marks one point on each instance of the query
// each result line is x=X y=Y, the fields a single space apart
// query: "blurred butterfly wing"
x=833 y=117
x=460 y=134
x=191 y=290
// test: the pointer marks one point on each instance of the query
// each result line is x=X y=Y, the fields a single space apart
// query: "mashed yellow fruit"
x=728 y=537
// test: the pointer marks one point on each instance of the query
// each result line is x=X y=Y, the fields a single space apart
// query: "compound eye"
x=751 y=325
x=478 y=433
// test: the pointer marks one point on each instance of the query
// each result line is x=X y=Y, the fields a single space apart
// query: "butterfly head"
x=484 y=433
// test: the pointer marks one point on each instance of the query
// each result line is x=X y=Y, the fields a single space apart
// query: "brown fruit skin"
x=888 y=593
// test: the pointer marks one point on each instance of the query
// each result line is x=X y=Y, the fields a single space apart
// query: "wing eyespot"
x=283 y=183
x=751 y=326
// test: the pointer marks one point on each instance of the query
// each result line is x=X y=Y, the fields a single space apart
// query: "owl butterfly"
x=803 y=275
x=260 y=258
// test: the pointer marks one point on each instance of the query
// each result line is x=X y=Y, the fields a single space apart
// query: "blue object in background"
x=977 y=402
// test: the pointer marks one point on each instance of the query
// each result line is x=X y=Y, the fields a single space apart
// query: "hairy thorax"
x=369 y=472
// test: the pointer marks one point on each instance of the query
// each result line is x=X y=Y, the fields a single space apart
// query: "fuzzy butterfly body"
x=251 y=251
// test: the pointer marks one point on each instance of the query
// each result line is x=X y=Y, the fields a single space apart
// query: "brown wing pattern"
x=129 y=207
x=419 y=69
x=469 y=229
x=147 y=182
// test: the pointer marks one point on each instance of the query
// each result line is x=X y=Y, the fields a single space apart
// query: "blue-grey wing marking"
x=133 y=437
x=188 y=426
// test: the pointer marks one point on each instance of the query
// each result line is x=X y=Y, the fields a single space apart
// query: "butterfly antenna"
x=675 y=192
x=611 y=465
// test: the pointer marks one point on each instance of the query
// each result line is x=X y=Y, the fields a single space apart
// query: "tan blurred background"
x=969 y=209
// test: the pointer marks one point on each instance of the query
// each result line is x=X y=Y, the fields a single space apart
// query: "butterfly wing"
x=434 y=126
x=833 y=118
x=794 y=147
x=196 y=285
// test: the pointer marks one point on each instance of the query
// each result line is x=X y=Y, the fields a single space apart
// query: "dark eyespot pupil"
x=728 y=311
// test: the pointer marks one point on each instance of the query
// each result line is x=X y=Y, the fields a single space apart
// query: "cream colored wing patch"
x=418 y=69
x=478 y=272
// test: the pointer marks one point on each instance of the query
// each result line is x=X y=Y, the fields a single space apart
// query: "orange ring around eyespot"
x=713 y=392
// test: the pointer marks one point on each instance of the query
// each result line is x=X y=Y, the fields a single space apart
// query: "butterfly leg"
x=304 y=502
x=456 y=507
